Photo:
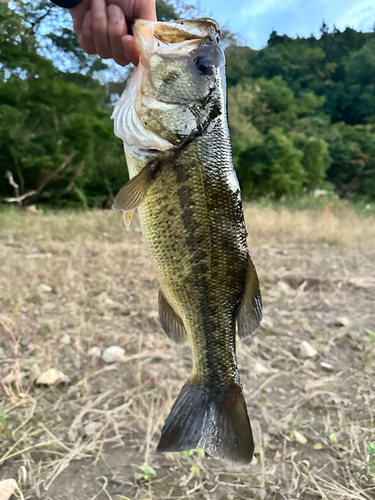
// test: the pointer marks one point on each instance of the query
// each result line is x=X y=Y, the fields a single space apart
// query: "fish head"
x=177 y=88
x=182 y=59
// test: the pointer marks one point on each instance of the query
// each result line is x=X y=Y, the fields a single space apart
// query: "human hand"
x=102 y=27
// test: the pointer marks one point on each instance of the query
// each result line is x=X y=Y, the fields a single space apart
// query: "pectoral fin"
x=171 y=323
x=134 y=192
x=250 y=313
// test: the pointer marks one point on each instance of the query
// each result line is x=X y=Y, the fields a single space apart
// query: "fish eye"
x=204 y=65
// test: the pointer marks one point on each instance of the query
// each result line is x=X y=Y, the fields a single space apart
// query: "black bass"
x=172 y=119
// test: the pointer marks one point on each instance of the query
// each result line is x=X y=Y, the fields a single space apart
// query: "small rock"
x=7 y=488
x=92 y=427
x=306 y=350
x=65 y=339
x=327 y=366
x=113 y=354
x=300 y=438
x=342 y=321
x=51 y=377
x=24 y=309
x=36 y=312
x=277 y=457
x=44 y=288
x=153 y=314
x=58 y=418
x=260 y=368
x=95 y=352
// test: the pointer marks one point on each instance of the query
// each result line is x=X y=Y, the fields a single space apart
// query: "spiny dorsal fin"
x=250 y=313
x=171 y=323
x=134 y=192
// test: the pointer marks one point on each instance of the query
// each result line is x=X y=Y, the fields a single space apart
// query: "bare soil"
x=73 y=281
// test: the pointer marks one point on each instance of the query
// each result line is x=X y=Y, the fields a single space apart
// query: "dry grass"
x=313 y=422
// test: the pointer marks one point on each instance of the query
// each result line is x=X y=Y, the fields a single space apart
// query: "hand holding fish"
x=102 y=27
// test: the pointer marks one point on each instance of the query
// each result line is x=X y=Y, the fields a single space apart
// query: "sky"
x=254 y=20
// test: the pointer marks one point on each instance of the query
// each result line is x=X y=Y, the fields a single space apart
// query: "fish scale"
x=190 y=209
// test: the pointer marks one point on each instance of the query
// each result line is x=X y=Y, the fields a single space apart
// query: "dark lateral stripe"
x=215 y=346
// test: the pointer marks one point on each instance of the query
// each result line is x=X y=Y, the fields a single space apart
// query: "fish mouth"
x=179 y=37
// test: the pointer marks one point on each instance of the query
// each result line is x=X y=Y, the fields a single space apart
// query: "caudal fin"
x=211 y=419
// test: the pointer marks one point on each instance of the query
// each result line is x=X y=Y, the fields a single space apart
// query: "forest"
x=301 y=112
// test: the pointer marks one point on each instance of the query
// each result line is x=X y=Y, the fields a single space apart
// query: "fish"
x=172 y=119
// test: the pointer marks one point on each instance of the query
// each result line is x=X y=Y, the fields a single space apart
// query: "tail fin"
x=211 y=419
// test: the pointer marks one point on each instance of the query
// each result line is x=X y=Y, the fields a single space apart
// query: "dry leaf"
x=300 y=438
x=7 y=488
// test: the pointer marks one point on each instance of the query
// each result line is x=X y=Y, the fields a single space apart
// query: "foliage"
x=321 y=94
x=301 y=111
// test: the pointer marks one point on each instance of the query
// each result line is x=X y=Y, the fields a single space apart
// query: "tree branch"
x=13 y=183
x=72 y=180
x=49 y=177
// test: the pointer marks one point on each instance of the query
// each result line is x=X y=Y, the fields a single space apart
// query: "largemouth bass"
x=172 y=119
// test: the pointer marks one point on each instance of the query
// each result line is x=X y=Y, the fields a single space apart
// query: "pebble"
x=92 y=428
x=113 y=354
x=306 y=350
x=95 y=352
x=51 y=377
x=44 y=288
x=327 y=366
x=260 y=368
x=342 y=321
x=65 y=339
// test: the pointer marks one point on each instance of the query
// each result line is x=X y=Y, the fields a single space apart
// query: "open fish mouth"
x=179 y=36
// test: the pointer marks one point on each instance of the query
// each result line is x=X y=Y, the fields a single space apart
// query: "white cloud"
x=361 y=16
x=258 y=8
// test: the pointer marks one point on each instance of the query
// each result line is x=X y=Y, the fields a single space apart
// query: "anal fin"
x=250 y=312
x=171 y=323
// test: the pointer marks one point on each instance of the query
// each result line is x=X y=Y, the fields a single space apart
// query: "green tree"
x=272 y=168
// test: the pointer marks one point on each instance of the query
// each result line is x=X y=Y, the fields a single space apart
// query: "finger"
x=145 y=9
x=116 y=29
x=100 y=27
x=78 y=14
x=85 y=39
x=129 y=48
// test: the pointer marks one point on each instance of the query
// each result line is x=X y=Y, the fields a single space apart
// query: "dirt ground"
x=73 y=284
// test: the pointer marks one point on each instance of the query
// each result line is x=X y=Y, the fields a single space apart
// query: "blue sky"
x=255 y=19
